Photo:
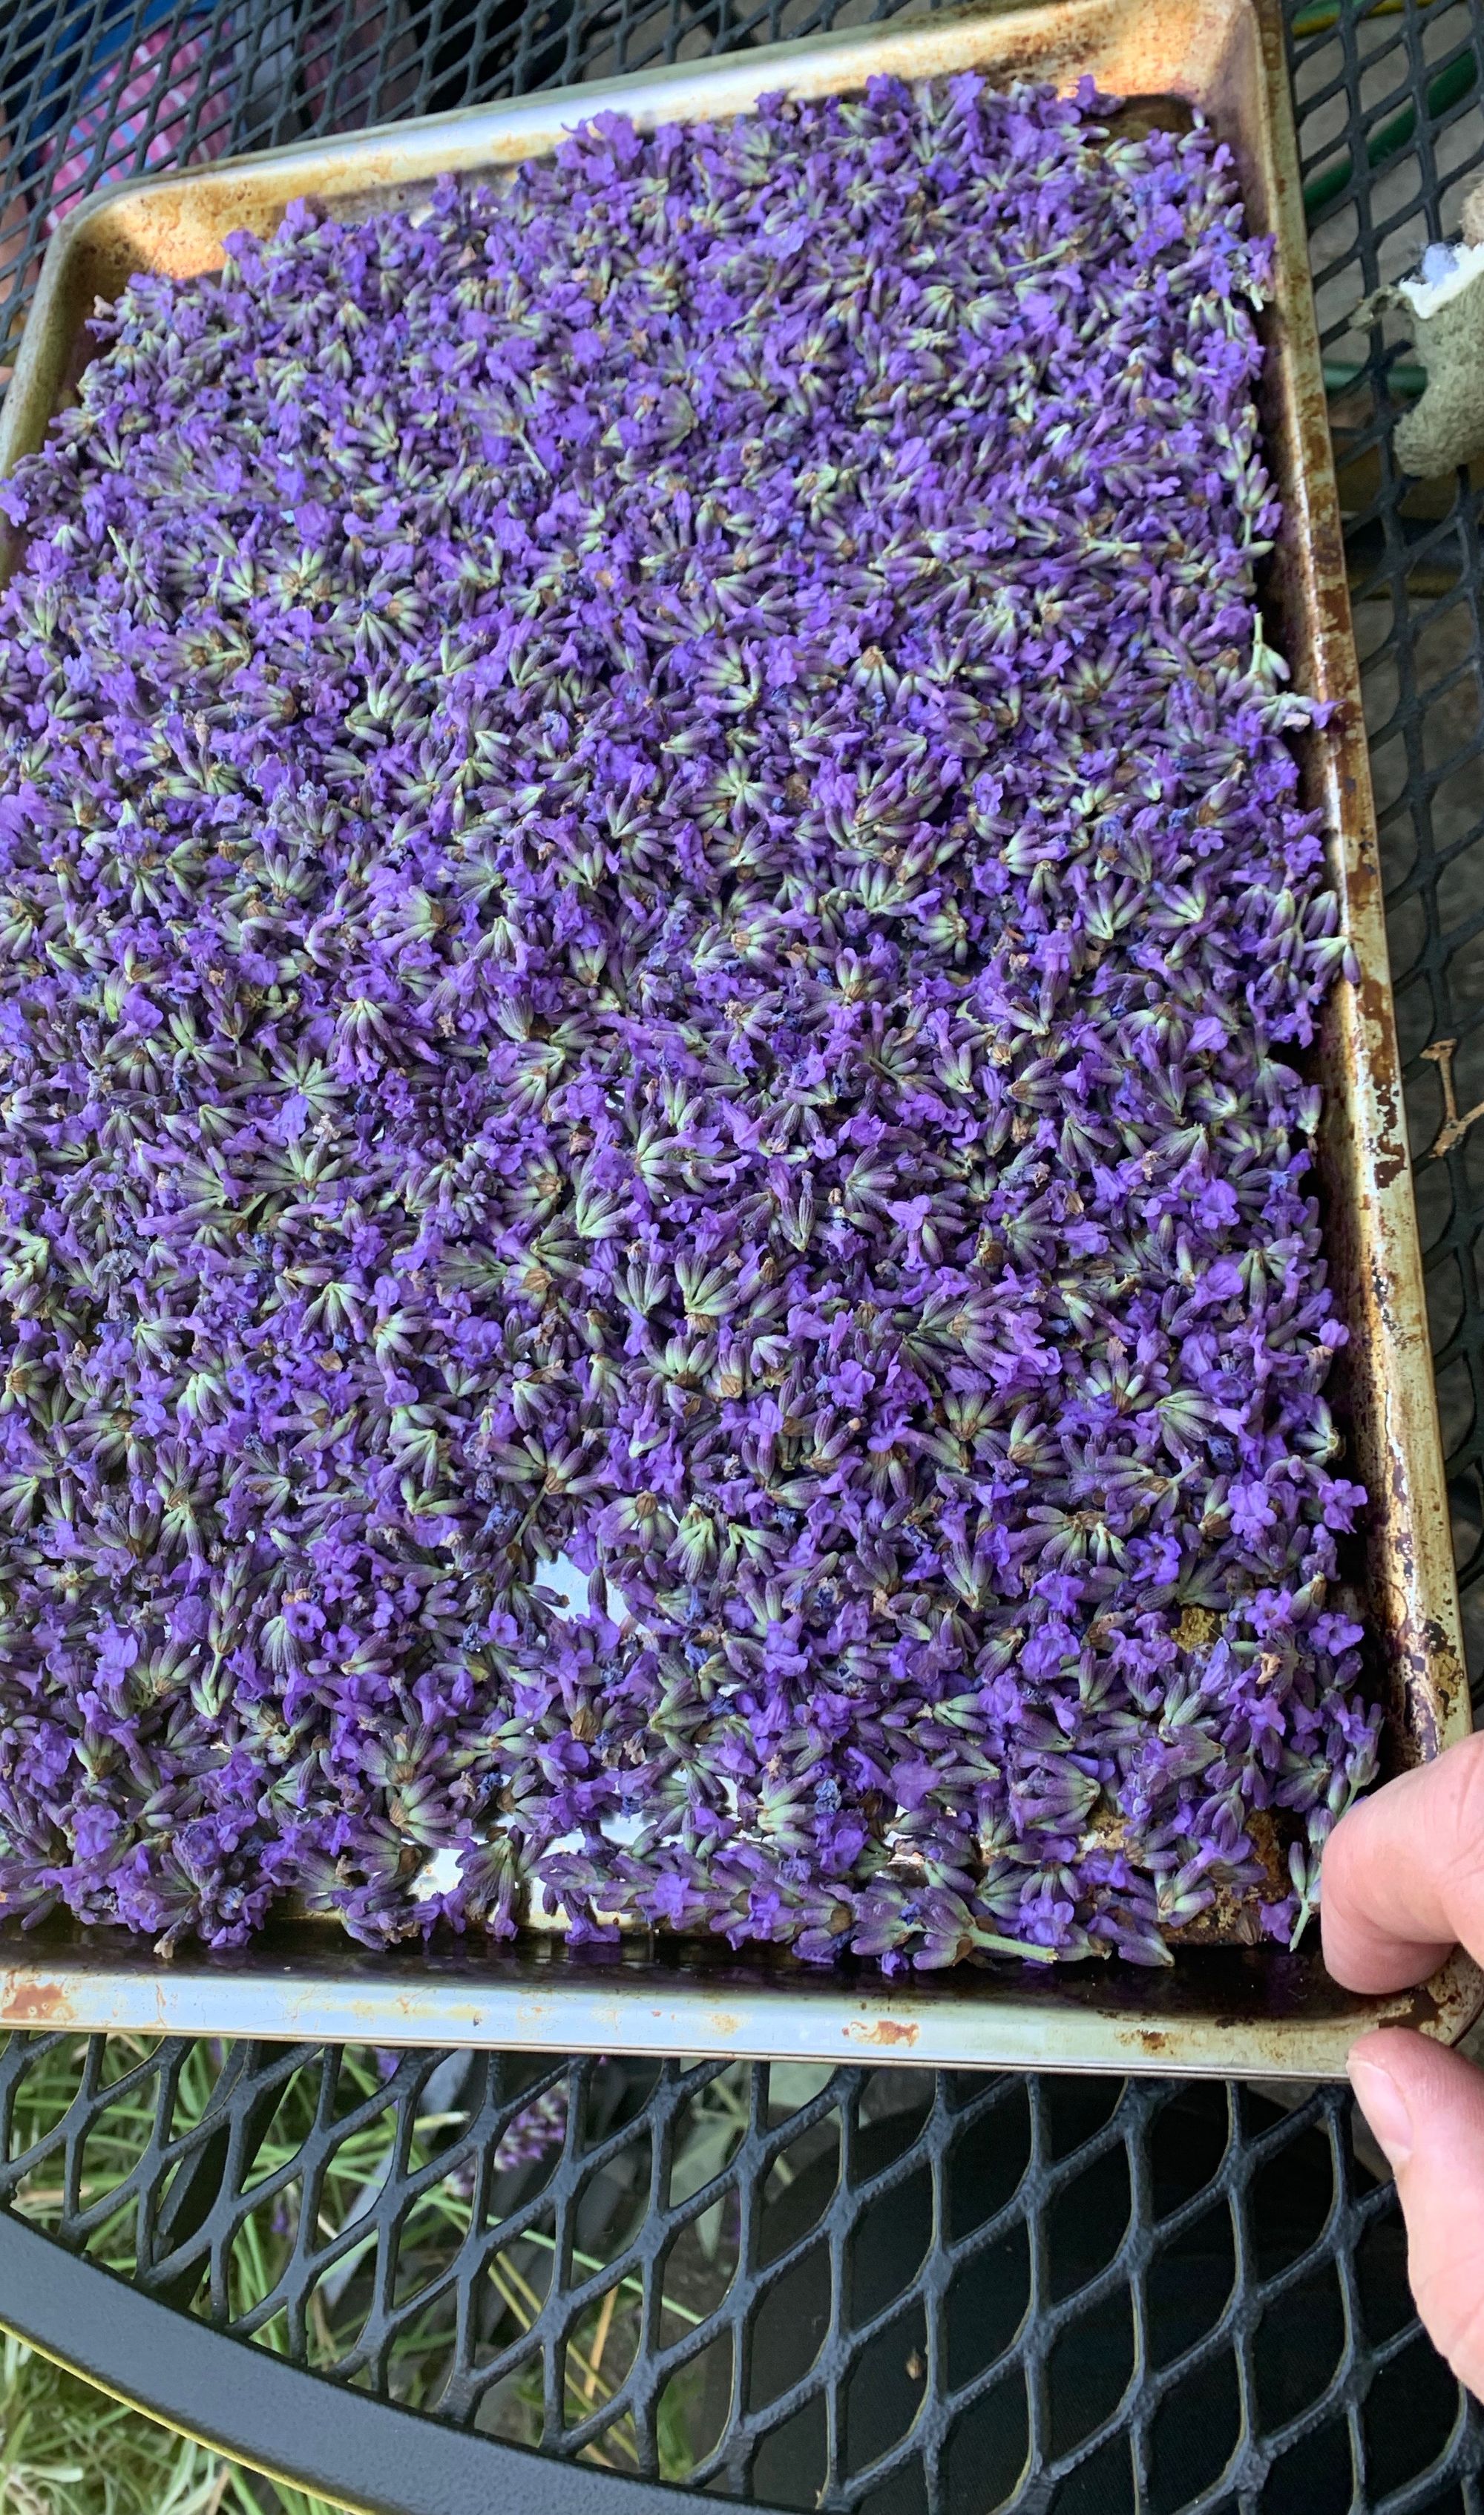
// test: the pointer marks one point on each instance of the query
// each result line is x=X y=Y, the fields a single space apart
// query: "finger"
x=1425 y=2106
x=1404 y=1875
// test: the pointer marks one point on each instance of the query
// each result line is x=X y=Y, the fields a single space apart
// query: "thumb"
x=1425 y=2106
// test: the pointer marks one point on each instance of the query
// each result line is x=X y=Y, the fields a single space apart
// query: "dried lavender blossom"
x=655 y=923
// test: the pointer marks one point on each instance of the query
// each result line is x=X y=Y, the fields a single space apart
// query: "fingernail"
x=1384 y=2107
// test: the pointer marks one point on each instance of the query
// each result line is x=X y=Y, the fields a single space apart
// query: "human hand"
x=1403 y=1884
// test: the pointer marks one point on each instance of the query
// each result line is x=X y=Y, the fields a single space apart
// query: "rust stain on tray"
x=884 y=2034
x=37 y=2004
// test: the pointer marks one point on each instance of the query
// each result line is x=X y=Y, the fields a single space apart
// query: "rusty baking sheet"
x=1222 y=2009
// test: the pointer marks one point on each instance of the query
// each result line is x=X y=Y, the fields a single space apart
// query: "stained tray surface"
x=1220 y=2010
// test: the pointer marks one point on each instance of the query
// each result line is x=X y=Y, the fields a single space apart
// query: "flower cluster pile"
x=657 y=1262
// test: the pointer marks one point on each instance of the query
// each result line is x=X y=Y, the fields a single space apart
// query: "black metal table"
x=877 y=2290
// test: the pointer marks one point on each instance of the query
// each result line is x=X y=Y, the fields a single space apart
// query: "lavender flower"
x=658 y=1263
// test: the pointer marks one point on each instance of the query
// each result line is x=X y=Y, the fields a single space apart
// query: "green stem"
x=995 y=1946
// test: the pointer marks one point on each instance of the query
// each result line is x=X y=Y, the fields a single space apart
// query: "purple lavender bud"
x=658 y=1252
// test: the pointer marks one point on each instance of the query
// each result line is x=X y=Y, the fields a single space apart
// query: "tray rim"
x=1261 y=2014
x=524 y=1998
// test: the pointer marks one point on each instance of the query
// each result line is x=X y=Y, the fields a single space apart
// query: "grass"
x=66 y=2449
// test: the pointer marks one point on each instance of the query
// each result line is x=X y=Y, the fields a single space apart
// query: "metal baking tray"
x=1226 y=2009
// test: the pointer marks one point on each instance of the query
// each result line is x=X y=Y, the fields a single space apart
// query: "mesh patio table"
x=447 y=2282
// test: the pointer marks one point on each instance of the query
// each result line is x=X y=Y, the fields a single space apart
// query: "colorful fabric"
x=170 y=72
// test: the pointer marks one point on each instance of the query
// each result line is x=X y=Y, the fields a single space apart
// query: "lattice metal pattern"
x=1392 y=133
x=867 y=2290
x=875 y=2290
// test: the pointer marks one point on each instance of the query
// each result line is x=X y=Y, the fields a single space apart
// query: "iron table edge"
x=301 y=2430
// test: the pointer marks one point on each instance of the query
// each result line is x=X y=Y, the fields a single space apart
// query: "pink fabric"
x=165 y=71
